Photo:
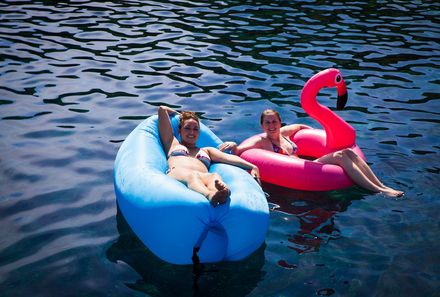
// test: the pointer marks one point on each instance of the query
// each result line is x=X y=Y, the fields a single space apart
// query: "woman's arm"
x=220 y=157
x=165 y=128
x=290 y=130
x=238 y=149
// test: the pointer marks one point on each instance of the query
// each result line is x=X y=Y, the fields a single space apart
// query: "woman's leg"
x=363 y=166
x=215 y=183
x=358 y=171
x=200 y=182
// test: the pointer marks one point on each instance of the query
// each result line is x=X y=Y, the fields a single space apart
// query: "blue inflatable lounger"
x=174 y=221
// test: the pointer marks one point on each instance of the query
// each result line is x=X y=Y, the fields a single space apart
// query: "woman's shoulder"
x=261 y=137
x=262 y=141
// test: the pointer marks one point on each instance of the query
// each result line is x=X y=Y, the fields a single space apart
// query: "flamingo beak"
x=342 y=96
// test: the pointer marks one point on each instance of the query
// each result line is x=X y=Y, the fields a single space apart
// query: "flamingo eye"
x=338 y=78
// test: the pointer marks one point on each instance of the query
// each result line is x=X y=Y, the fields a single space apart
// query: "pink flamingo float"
x=302 y=173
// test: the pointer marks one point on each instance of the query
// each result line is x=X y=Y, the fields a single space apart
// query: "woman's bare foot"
x=221 y=195
x=391 y=192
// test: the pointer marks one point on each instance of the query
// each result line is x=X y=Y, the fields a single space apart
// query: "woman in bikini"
x=277 y=139
x=189 y=164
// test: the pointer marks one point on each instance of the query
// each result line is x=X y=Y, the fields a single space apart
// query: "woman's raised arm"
x=165 y=128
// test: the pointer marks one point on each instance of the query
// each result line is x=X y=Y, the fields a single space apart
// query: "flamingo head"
x=329 y=78
x=342 y=90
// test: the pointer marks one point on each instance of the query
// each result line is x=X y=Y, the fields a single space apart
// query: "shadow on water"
x=159 y=278
x=315 y=212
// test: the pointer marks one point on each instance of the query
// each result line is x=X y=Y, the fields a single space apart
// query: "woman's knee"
x=193 y=177
x=215 y=176
x=339 y=156
x=349 y=153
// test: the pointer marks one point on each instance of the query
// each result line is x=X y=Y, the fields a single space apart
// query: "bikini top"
x=282 y=151
x=181 y=150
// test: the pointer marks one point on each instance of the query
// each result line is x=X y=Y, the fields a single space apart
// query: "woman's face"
x=271 y=124
x=189 y=132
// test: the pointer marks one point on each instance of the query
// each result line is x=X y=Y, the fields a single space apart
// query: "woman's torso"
x=284 y=146
x=196 y=159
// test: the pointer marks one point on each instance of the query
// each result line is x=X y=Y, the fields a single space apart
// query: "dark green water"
x=77 y=76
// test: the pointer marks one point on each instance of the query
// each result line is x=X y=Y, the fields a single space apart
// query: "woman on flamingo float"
x=277 y=139
x=339 y=134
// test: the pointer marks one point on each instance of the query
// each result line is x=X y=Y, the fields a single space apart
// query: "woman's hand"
x=255 y=173
x=169 y=110
x=228 y=146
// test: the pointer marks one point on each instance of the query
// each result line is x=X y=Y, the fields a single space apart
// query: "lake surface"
x=77 y=76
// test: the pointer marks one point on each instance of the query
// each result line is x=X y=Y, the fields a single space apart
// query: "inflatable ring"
x=302 y=173
x=175 y=222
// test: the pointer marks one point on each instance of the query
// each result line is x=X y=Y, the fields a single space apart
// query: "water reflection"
x=315 y=212
x=159 y=278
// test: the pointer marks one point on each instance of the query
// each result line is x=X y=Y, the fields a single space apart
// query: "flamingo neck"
x=339 y=134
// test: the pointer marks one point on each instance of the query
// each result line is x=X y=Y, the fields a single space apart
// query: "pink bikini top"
x=181 y=150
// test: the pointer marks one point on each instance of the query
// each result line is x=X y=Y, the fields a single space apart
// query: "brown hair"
x=186 y=115
x=267 y=112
